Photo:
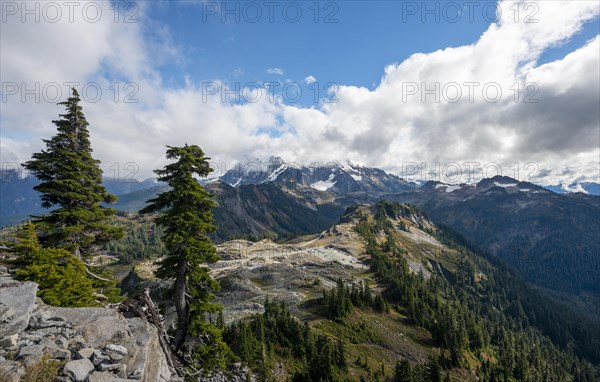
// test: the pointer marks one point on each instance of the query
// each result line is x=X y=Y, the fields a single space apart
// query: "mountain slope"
x=431 y=298
x=551 y=239
x=269 y=210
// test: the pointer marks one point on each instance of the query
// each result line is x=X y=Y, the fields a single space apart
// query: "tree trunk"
x=144 y=307
x=181 y=304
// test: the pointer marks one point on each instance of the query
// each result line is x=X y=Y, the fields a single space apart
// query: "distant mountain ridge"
x=344 y=178
x=589 y=188
x=551 y=239
x=338 y=177
x=18 y=199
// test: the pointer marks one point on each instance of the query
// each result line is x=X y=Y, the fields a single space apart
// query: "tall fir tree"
x=187 y=220
x=71 y=180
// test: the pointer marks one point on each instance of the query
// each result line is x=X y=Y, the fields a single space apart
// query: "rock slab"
x=16 y=303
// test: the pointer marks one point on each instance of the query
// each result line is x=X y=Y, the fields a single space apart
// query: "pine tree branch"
x=95 y=275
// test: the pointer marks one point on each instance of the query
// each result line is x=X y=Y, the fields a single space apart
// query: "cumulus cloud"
x=487 y=102
x=310 y=80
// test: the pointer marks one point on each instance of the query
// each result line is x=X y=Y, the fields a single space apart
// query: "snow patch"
x=323 y=185
x=347 y=166
x=273 y=176
x=505 y=185
x=449 y=187
x=351 y=169
x=453 y=187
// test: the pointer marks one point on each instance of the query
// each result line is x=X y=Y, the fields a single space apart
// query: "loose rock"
x=109 y=367
x=117 y=349
x=85 y=353
x=79 y=370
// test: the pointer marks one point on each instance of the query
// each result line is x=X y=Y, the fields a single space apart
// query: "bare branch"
x=95 y=275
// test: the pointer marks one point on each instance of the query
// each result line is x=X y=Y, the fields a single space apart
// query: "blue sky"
x=376 y=52
x=349 y=43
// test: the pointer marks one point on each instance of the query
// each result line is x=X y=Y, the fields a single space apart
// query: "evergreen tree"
x=71 y=180
x=187 y=220
x=433 y=371
x=59 y=274
x=403 y=372
x=341 y=356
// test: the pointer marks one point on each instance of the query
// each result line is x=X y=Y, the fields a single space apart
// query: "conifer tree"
x=71 y=180
x=433 y=371
x=187 y=220
x=403 y=372
x=59 y=274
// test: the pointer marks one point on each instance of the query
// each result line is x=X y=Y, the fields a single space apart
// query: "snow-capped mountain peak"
x=340 y=176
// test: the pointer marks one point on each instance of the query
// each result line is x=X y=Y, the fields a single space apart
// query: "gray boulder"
x=16 y=303
x=29 y=355
x=30 y=328
x=85 y=353
x=79 y=370
x=11 y=370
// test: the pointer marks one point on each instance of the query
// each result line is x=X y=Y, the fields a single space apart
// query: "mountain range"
x=550 y=238
x=338 y=177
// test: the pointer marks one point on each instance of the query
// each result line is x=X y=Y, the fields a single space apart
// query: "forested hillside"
x=483 y=311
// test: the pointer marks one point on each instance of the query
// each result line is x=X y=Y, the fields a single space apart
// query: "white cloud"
x=383 y=127
x=277 y=71
x=310 y=80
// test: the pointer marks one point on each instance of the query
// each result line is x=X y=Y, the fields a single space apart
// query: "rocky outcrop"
x=16 y=302
x=95 y=344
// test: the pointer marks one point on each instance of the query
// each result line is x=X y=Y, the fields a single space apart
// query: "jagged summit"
x=501 y=184
x=341 y=176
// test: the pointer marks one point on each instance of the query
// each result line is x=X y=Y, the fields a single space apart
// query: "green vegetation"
x=71 y=179
x=45 y=370
x=309 y=355
x=60 y=274
x=187 y=220
x=341 y=300
x=142 y=239
x=477 y=322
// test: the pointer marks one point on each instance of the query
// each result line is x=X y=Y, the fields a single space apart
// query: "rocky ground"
x=293 y=272
x=250 y=272
x=89 y=344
